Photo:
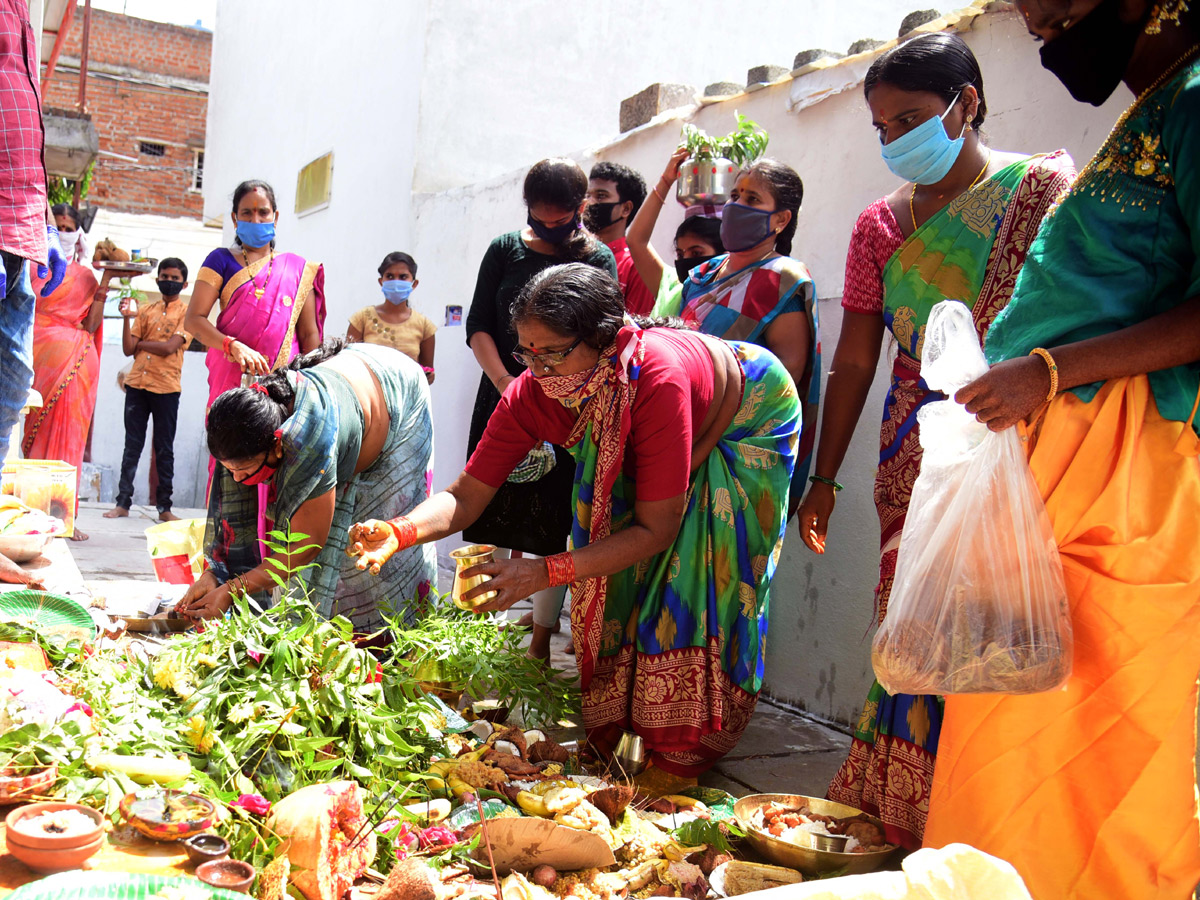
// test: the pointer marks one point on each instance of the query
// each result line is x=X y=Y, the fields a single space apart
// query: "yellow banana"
x=442 y=767
x=682 y=802
x=473 y=756
x=532 y=804
x=436 y=785
x=457 y=786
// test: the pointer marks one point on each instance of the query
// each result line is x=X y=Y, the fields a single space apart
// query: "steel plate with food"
x=787 y=829
x=138 y=266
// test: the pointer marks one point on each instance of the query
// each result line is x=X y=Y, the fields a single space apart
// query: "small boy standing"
x=156 y=340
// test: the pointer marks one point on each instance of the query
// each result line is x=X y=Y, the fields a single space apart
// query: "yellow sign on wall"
x=313 y=184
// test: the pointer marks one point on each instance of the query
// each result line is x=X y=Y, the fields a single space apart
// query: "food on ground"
x=324 y=838
x=107 y=251
x=544 y=876
x=16 y=519
x=433 y=811
x=548 y=751
x=273 y=879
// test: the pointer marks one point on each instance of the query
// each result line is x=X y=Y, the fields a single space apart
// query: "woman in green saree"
x=959 y=229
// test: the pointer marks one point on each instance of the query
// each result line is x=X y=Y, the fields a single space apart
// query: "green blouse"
x=1123 y=245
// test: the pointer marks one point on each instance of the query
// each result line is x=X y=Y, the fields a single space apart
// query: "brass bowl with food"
x=798 y=822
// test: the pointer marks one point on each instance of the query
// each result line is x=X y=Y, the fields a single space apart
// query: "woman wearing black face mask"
x=531 y=516
x=1090 y=790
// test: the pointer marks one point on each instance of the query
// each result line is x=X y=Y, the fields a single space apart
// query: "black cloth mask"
x=170 y=288
x=1090 y=57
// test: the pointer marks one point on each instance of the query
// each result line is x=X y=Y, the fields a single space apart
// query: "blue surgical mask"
x=743 y=227
x=397 y=291
x=926 y=154
x=255 y=234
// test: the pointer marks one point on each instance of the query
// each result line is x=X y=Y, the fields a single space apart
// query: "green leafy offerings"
x=742 y=146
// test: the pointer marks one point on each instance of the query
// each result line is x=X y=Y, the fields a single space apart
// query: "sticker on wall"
x=453 y=315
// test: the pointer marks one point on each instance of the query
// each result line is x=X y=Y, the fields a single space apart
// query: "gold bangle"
x=661 y=198
x=1052 y=366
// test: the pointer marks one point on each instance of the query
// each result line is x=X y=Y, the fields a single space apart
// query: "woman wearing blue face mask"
x=957 y=228
x=756 y=292
x=531 y=516
x=394 y=323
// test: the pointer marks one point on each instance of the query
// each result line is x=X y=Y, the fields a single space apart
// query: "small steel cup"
x=834 y=842
x=464 y=558
x=630 y=754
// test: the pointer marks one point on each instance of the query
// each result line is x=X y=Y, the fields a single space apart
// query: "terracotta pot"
x=14 y=787
x=202 y=848
x=144 y=809
x=52 y=852
x=17 y=833
x=230 y=874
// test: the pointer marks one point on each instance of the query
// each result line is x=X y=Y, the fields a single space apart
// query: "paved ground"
x=782 y=751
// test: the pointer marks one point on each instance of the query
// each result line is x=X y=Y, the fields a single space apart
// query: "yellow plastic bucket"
x=177 y=550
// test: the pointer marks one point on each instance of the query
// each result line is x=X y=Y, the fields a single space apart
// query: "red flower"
x=437 y=836
x=254 y=655
x=253 y=803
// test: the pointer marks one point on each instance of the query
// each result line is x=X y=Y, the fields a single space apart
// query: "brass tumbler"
x=464 y=558
x=630 y=754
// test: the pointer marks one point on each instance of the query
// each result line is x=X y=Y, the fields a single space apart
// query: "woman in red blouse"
x=684 y=446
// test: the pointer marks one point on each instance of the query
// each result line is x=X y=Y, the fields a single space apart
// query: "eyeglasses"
x=554 y=358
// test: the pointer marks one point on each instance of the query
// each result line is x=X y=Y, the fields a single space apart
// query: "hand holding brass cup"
x=464 y=558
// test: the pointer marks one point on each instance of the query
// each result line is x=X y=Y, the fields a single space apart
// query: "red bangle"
x=560 y=568
x=226 y=344
x=405 y=531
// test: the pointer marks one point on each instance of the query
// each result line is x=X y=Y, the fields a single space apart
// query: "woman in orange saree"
x=67 y=336
x=1090 y=791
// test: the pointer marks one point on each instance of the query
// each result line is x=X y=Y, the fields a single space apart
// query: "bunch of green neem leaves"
x=476 y=654
x=742 y=146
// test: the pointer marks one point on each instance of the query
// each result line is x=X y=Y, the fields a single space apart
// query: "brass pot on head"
x=464 y=558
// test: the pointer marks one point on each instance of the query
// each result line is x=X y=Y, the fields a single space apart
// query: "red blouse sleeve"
x=876 y=237
x=506 y=440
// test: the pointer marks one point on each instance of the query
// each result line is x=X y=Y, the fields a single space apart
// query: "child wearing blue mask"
x=394 y=323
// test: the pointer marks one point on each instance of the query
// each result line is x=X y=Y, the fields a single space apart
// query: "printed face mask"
x=926 y=154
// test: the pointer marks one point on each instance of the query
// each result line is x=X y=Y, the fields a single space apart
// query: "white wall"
x=821 y=606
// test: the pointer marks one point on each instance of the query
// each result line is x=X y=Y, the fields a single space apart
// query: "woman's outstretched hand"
x=511 y=579
x=813 y=515
x=373 y=542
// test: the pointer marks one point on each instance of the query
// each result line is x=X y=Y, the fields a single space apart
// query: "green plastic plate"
x=80 y=885
x=45 y=609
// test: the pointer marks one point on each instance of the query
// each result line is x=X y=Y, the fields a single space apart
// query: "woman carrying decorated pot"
x=341 y=433
x=958 y=228
x=394 y=323
x=697 y=240
x=683 y=449
x=1090 y=791
x=531 y=513
x=754 y=291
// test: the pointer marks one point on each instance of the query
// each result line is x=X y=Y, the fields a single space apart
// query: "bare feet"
x=570 y=648
x=78 y=535
x=539 y=644
x=167 y=516
x=117 y=512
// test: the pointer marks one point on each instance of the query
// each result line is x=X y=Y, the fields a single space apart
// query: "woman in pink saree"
x=272 y=304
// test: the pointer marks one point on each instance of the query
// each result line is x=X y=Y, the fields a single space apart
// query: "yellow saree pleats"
x=1089 y=791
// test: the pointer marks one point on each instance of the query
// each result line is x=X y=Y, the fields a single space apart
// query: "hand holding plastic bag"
x=978 y=603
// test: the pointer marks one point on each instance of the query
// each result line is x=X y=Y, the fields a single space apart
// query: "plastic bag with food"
x=978 y=603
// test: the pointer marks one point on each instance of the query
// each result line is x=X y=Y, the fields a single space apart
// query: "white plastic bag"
x=978 y=603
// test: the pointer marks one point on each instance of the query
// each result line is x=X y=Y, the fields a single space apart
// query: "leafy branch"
x=742 y=146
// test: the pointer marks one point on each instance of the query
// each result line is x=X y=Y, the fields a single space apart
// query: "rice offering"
x=58 y=822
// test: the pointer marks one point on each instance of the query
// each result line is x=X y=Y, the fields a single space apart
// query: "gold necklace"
x=987 y=162
x=1170 y=71
x=259 y=291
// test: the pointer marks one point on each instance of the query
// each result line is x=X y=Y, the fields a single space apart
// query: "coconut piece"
x=410 y=879
x=272 y=881
x=513 y=735
x=534 y=736
x=612 y=801
x=548 y=751
x=318 y=824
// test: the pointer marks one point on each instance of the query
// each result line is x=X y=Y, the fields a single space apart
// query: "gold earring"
x=1167 y=11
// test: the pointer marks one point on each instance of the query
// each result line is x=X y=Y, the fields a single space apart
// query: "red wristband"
x=225 y=345
x=560 y=568
x=405 y=531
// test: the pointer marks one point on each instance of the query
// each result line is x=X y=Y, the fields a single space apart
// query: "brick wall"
x=147 y=82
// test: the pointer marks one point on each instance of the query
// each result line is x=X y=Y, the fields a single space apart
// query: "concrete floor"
x=781 y=751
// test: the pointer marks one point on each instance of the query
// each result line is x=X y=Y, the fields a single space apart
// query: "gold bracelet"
x=661 y=198
x=1052 y=366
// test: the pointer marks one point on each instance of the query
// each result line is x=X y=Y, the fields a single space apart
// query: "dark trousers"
x=140 y=405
